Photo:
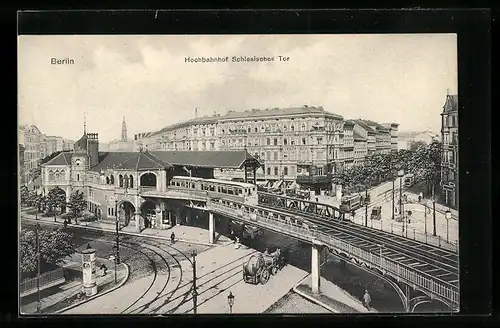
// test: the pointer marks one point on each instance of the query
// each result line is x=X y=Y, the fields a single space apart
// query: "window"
x=268 y=141
x=276 y=171
x=285 y=170
x=292 y=170
x=120 y=179
x=78 y=177
x=107 y=180
x=268 y=171
x=275 y=157
x=285 y=128
x=112 y=180
x=319 y=140
x=303 y=127
x=249 y=130
x=51 y=176
x=285 y=141
x=303 y=141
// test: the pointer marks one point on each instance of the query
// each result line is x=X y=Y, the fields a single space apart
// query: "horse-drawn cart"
x=260 y=267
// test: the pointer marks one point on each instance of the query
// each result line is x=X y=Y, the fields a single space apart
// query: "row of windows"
x=55 y=176
x=279 y=127
x=111 y=211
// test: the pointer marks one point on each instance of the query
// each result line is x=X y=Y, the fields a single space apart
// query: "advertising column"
x=88 y=269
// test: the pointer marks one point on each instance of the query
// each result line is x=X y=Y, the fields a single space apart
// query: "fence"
x=411 y=276
x=46 y=278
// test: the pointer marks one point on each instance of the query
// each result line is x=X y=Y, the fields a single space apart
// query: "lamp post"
x=433 y=212
x=39 y=302
x=195 y=292
x=381 y=248
x=230 y=301
x=113 y=258
x=447 y=215
x=117 y=233
x=393 y=185
x=400 y=175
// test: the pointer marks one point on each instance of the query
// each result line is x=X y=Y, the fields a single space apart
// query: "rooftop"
x=162 y=159
x=451 y=103
x=358 y=136
x=365 y=126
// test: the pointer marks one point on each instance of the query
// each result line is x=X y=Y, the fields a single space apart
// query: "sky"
x=387 y=78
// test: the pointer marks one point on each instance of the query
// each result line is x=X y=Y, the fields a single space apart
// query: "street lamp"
x=113 y=258
x=116 y=231
x=447 y=215
x=195 y=292
x=401 y=173
x=230 y=301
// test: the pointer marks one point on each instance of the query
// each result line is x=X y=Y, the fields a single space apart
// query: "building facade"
x=21 y=165
x=449 y=159
x=54 y=144
x=360 y=149
x=406 y=139
x=348 y=144
x=302 y=144
x=35 y=149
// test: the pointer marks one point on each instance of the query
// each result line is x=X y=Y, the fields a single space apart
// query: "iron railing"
x=433 y=286
x=46 y=278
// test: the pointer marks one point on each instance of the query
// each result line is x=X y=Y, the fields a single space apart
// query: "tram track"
x=442 y=267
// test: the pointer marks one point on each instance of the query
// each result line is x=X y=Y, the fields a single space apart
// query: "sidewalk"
x=66 y=294
x=331 y=297
x=441 y=208
x=182 y=233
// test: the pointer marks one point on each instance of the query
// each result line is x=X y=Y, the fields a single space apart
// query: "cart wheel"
x=274 y=270
x=264 y=276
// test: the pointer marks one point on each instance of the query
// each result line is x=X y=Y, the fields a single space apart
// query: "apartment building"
x=348 y=145
x=449 y=162
x=360 y=148
x=302 y=144
x=35 y=148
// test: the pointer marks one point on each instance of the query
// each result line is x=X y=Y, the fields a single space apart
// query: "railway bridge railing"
x=433 y=287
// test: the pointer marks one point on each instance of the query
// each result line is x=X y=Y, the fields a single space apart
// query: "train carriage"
x=214 y=188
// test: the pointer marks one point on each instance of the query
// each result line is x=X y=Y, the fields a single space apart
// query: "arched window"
x=120 y=179
x=285 y=128
x=107 y=180
x=51 y=176
x=125 y=181
x=256 y=130
x=303 y=127
x=292 y=128
x=112 y=180
x=57 y=176
x=285 y=141
x=131 y=181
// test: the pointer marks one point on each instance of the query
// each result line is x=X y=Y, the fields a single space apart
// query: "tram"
x=409 y=180
x=215 y=188
x=350 y=203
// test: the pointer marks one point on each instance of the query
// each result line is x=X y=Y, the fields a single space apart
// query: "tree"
x=56 y=198
x=55 y=245
x=77 y=204
x=24 y=195
x=417 y=144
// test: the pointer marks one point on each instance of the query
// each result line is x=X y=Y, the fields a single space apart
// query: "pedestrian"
x=420 y=196
x=65 y=223
x=237 y=244
x=367 y=300
x=172 y=238
x=88 y=246
x=104 y=269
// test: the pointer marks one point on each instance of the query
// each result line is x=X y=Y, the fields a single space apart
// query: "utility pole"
x=195 y=293
x=393 y=184
x=366 y=206
x=117 y=234
x=38 y=304
x=433 y=213
x=401 y=202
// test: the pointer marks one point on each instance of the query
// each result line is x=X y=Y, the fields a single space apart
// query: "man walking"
x=367 y=300
x=172 y=238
